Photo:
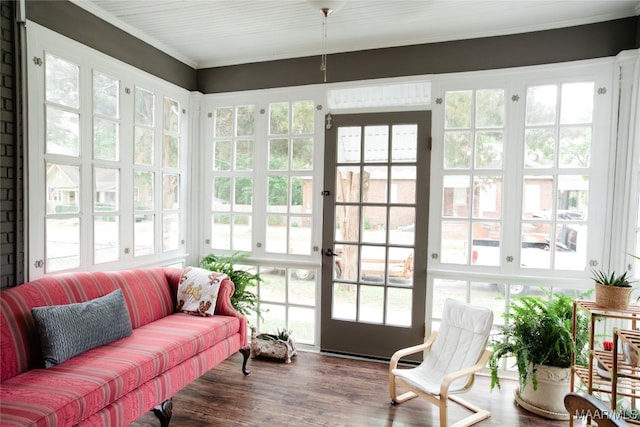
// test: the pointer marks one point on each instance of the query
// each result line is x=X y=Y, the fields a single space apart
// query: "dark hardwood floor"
x=322 y=390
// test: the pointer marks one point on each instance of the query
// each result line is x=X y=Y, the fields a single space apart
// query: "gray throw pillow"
x=68 y=330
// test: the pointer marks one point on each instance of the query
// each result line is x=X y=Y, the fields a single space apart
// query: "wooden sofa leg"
x=164 y=411
x=246 y=352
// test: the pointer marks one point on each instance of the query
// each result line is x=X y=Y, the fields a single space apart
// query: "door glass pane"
x=106 y=232
x=373 y=264
x=106 y=191
x=143 y=190
x=400 y=266
x=349 y=148
x=404 y=143
x=402 y=225
x=62 y=81
x=63 y=189
x=347 y=221
x=344 y=301
x=403 y=184
x=63 y=132
x=371 y=307
x=399 y=306
x=63 y=243
x=376 y=143
x=375 y=184
x=348 y=268
x=347 y=184
x=170 y=232
x=374 y=224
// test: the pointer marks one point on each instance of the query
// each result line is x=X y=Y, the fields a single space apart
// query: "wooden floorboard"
x=323 y=390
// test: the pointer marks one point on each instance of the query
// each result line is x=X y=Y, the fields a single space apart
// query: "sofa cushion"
x=198 y=291
x=68 y=330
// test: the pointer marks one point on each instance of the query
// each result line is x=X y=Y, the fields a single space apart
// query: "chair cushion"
x=68 y=330
x=462 y=337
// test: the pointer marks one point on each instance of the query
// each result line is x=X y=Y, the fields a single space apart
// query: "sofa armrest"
x=224 y=307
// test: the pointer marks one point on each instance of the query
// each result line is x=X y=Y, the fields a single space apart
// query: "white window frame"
x=515 y=82
x=40 y=41
x=261 y=99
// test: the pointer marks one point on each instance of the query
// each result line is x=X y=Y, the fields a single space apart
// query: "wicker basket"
x=612 y=297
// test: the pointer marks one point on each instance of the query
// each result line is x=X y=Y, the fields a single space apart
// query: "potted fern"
x=612 y=291
x=538 y=333
x=244 y=300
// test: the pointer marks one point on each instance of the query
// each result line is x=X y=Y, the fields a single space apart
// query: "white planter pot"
x=548 y=399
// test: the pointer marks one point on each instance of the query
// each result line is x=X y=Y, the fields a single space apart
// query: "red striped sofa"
x=117 y=383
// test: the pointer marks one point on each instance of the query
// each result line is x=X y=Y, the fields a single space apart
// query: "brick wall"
x=11 y=200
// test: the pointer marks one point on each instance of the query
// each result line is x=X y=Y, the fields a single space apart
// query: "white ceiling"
x=209 y=33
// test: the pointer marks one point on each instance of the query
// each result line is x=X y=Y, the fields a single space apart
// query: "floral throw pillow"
x=198 y=291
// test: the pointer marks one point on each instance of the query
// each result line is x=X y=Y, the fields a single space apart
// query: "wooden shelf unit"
x=625 y=378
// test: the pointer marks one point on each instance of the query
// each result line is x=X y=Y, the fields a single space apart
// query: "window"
x=112 y=174
x=518 y=163
x=262 y=193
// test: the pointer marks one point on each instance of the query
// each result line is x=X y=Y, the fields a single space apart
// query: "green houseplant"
x=244 y=299
x=538 y=333
x=612 y=290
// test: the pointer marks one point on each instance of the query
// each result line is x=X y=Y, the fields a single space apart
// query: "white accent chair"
x=451 y=357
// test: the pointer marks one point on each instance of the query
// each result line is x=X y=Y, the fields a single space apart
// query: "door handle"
x=329 y=252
